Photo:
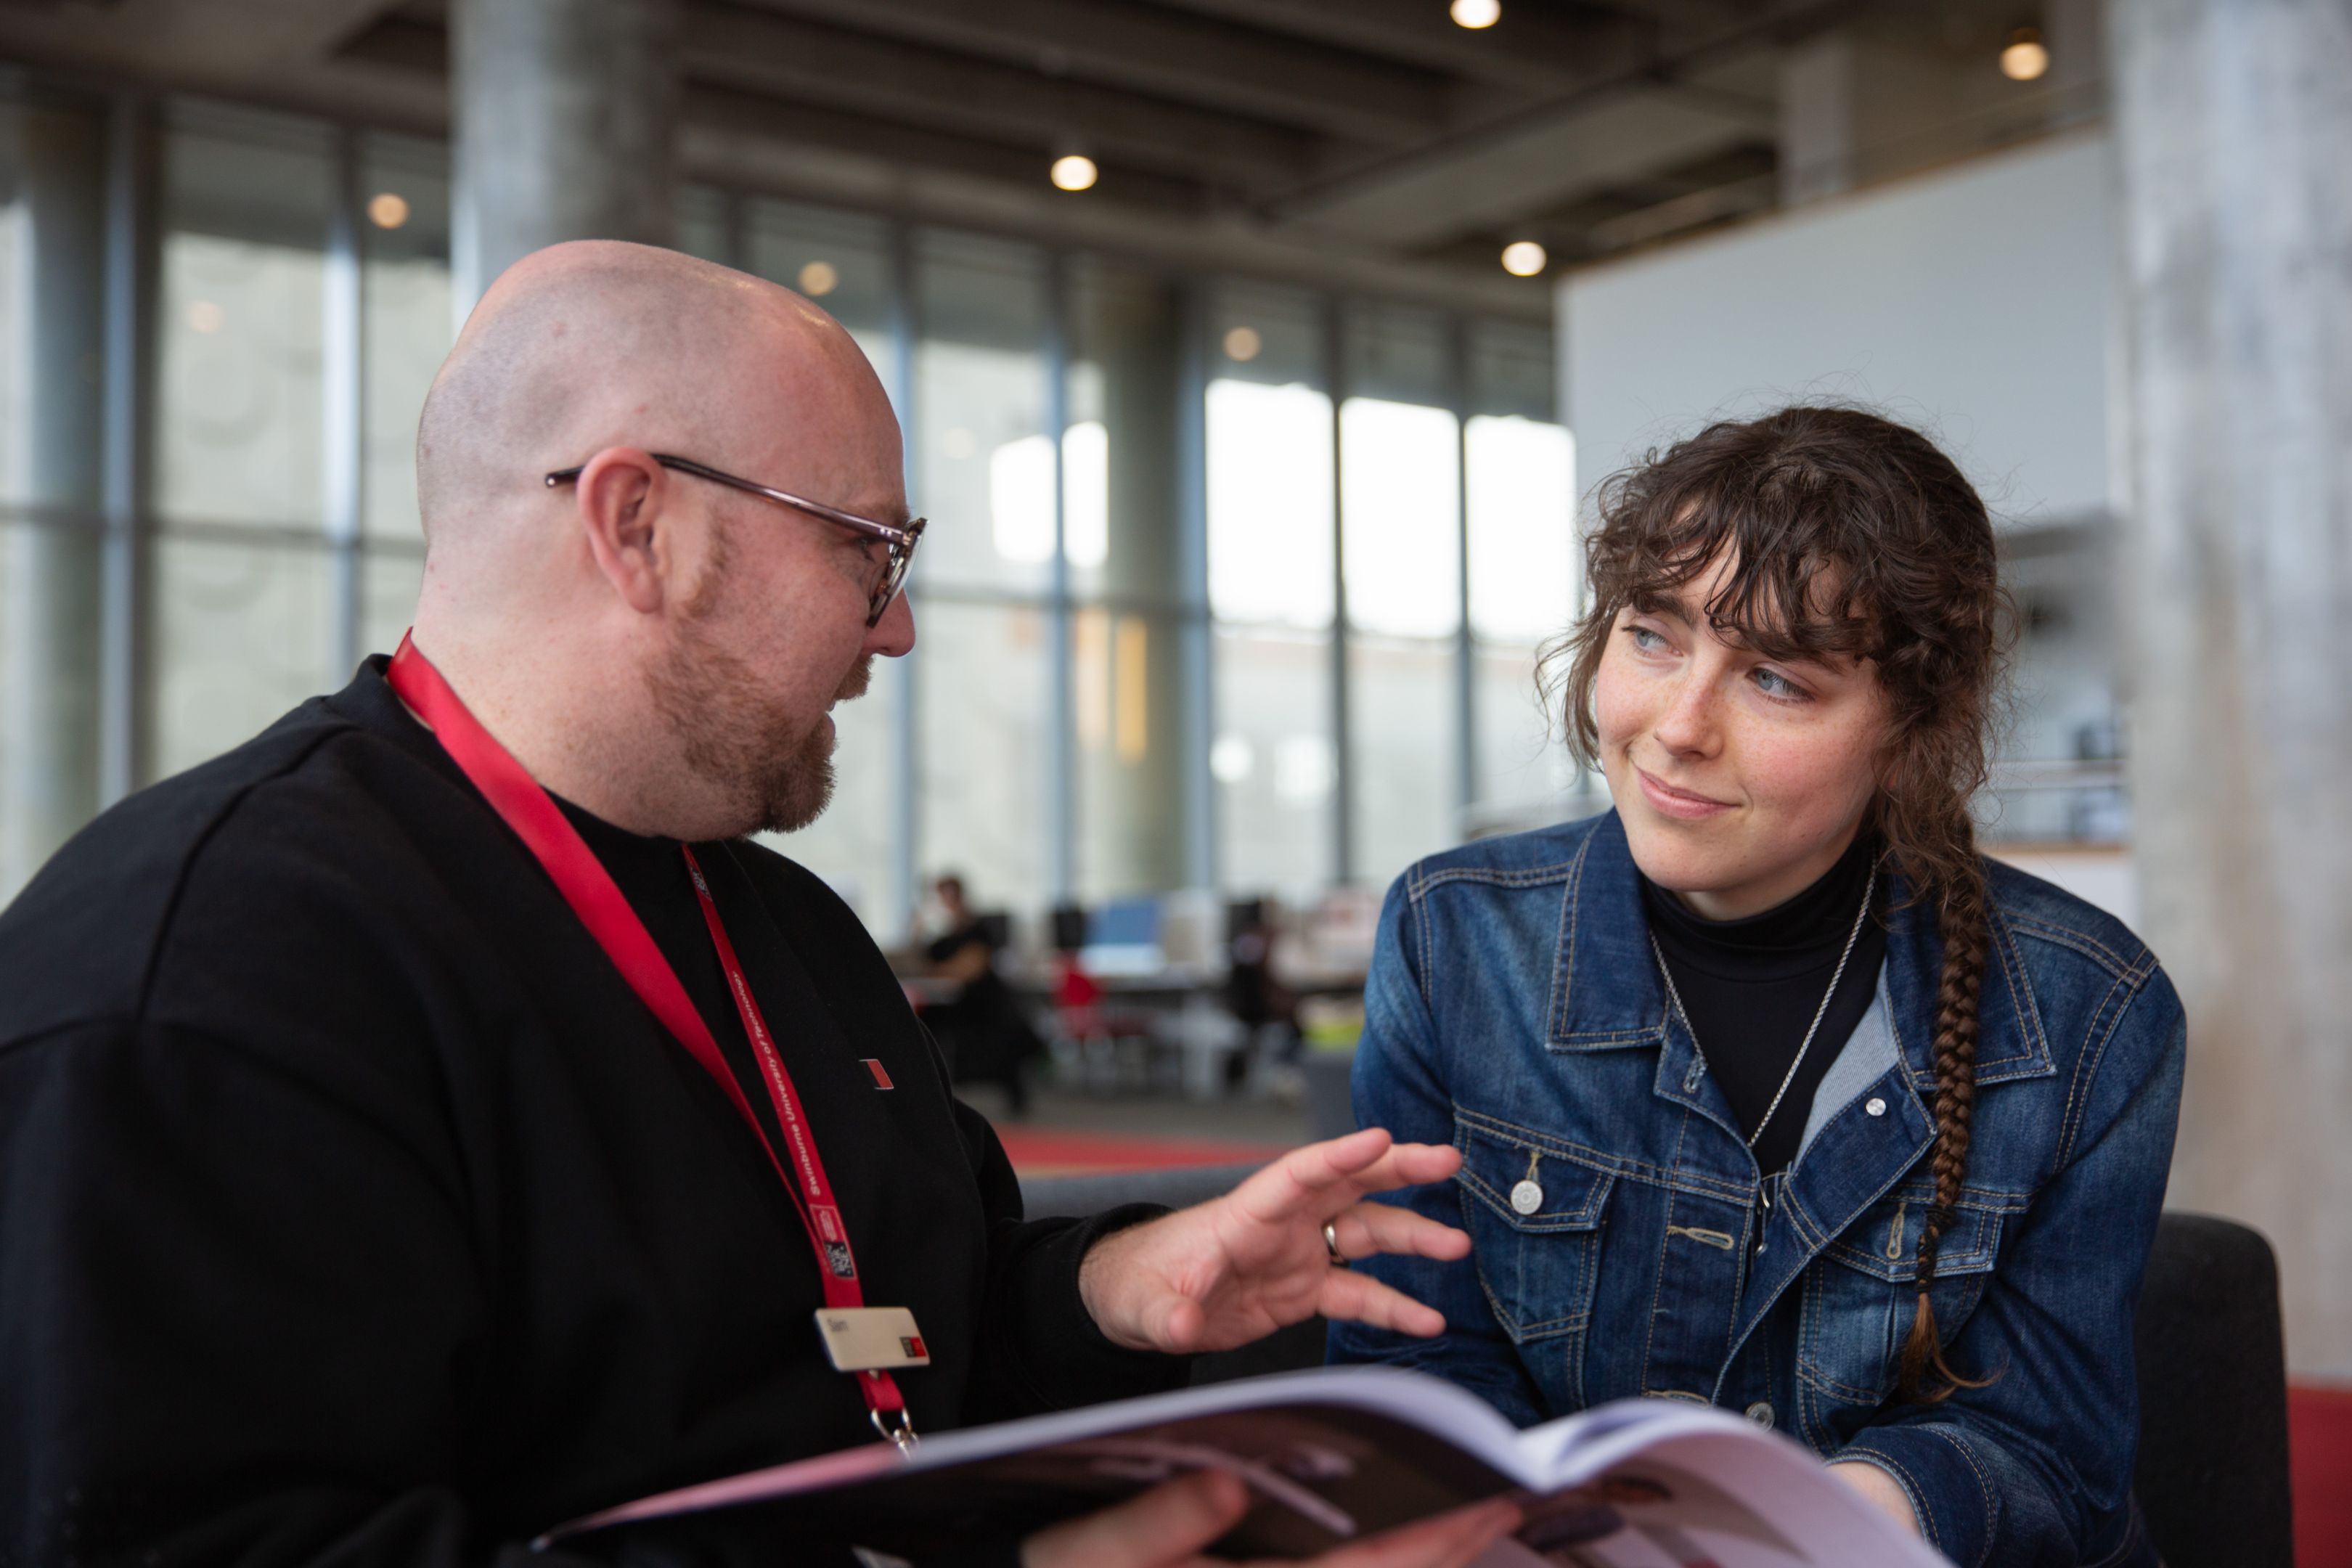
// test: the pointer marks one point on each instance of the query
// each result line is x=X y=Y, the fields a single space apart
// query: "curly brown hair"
x=1850 y=534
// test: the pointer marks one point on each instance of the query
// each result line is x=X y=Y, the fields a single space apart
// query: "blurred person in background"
x=435 y=1119
x=1257 y=999
x=1773 y=1092
x=982 y=1025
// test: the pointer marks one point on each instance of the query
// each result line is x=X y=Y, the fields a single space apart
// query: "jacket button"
x=1875 y=1106
x=1761 y=1414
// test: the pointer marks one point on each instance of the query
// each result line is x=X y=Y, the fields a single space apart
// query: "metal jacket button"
x=1761 y=1414
x=1875 y=1106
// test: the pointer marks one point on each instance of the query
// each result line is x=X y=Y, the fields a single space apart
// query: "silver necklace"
x=1818 y=1012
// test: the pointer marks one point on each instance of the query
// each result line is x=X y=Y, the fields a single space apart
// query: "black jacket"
x=352 y=1207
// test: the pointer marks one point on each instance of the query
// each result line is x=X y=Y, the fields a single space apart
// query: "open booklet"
x=1328 y=1454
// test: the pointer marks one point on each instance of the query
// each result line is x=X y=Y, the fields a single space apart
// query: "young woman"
x=1771 y=1091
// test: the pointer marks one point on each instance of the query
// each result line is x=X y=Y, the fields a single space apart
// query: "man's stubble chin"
x=774 y=769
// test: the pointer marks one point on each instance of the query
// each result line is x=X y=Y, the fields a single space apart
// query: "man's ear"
x=619 y=502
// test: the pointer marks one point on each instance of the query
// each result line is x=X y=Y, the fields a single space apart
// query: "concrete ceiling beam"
x=1528 y=50
x=1193 y=58
x=223 y=44
x=809 y=63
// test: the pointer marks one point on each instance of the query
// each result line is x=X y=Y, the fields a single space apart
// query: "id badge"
x=871 y=1339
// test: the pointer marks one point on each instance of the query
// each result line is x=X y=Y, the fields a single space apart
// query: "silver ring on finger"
x=1331 y=1245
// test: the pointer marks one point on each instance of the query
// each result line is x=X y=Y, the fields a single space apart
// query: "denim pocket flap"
x=1529 y=1186
x=1886 y=1240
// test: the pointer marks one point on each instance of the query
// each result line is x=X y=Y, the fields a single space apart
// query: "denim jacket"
x=1514 y=1011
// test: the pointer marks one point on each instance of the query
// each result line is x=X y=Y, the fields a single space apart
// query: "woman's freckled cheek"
x=1621 y=702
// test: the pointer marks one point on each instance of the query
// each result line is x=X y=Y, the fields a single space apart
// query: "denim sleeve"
x=2036 y=1468
x=1401 y=1084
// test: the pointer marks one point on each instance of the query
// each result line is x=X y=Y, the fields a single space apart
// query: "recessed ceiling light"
x=1242 y=344
x=819 y=279
x=1524 y=259
x=1075 y=172
x=203 y=316
x=387 y=209
x=2025 y=57
x=1477 y=13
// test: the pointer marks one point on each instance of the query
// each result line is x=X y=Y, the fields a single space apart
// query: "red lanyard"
x=589 y=888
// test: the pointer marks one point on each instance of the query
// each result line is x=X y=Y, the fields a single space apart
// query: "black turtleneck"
x=1750 y=986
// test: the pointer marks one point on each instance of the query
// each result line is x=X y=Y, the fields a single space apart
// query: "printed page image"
x=1319 y=1475
x=1646 y=1515
x=1722 y=1497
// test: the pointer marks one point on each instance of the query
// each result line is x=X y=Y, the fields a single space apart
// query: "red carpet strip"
x=1044 y=1152
x=2319 y=1440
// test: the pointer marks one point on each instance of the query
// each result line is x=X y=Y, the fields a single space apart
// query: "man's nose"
x=893 y=636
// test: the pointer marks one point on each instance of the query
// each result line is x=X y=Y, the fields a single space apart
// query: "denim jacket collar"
x=1605 y=992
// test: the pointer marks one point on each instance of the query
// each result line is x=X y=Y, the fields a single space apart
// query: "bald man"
x=433 y=1119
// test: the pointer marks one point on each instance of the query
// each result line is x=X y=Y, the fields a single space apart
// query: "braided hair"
x=1847 y=534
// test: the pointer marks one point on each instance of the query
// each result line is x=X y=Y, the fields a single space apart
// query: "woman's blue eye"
x=1646 y=639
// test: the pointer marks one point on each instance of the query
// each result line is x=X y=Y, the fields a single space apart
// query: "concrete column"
x=565 y=119
x=1818 y=156
x=49 y=624
x=1855 y=109
x=2232 y=124
x=1131 y=782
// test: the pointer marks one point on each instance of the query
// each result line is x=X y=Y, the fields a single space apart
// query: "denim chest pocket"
x=1861 y=1293
x=1534 y=1218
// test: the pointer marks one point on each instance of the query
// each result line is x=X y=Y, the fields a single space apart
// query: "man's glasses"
x=900 y=541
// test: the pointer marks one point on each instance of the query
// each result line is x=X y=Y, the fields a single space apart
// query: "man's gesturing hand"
x=1235 y=1268
x=1168 y=1526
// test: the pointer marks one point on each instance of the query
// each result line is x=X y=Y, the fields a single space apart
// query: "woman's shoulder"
x=2039 y=912
x=2075 y=950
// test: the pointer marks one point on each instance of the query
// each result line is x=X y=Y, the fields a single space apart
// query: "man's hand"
x=1168 y=1526
x=1235 y=1268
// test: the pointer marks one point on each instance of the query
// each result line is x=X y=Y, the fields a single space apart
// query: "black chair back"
x=2212 y=1475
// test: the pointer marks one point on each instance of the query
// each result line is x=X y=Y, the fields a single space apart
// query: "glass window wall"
x=1524 y=573
x=1401 y=539
x=52 y=229
x=239 y=627
x=406 y=323
x=841 y=260
x=983 y=458
x=243 y=625
x=1163 y=695
x=1273 y=755
x=985 y=748
x=240 y=362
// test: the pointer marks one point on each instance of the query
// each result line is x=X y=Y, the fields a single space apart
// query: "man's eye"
x=1778 y=685
x=1646 y=639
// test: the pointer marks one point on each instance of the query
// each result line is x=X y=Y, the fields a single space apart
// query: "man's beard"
x=776 y=768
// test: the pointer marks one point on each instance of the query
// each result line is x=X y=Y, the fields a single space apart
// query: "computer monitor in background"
x=1123 y=938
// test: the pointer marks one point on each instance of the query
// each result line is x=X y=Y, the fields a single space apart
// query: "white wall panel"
x=1974 y=303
